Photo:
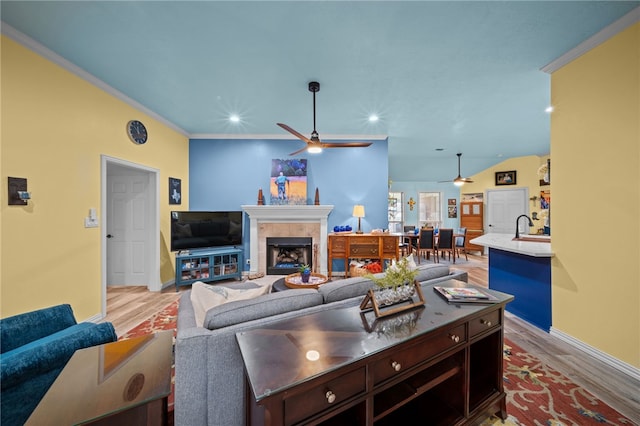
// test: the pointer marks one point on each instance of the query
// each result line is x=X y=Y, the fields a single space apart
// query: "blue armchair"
x=34 y=348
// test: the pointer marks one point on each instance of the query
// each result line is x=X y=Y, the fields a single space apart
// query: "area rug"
x=166 y=319
x=539 y=395
x=536 y=393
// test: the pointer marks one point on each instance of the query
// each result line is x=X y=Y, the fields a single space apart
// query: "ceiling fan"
x=458 y=181
x=314 y=144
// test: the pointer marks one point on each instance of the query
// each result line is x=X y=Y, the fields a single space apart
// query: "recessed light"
x=373 y=118
x=549 y=109
x=234 y=118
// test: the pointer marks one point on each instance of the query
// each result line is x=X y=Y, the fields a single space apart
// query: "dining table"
x=413 y=240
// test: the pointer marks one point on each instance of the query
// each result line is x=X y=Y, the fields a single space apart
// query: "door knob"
x=109 y=236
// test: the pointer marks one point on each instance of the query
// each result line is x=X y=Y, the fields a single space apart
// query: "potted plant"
x=395 y=286
x=305 y=272
x=398 y=274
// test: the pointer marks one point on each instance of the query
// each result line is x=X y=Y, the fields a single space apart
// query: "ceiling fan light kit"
x=314 y=144
x=459 y=180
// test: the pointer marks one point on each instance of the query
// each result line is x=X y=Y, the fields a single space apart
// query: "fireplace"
x=286 y=254
x=309 y=221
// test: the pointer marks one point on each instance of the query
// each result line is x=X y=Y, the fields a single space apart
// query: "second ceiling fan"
x=459 y=180
x=314 y=144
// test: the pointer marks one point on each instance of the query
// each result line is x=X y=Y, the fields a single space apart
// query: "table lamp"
x=358 y=211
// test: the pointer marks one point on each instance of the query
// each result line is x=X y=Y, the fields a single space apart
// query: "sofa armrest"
x=24 y=328
x=50 y=352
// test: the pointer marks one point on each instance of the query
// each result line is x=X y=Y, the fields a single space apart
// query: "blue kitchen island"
x=522 y=268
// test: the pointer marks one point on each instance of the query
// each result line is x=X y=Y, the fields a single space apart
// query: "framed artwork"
x=175 y=191
x=545 y=199
x=506 y=178
x=472 y=196
x=453 y=212
x=451 y=202
x=288 y=181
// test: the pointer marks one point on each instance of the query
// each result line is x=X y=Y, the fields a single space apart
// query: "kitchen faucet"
x=518 y=219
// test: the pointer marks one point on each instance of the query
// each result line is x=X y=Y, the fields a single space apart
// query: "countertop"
x=505 y=242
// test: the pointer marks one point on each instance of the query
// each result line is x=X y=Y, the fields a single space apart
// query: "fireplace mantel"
x=286 y=214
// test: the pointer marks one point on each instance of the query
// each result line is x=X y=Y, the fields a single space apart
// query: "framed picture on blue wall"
x=175 y=191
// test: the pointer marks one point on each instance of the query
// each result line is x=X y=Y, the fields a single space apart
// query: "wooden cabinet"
x=472 y=218
x=441 y=364
x=208 y=265
x=361 y=246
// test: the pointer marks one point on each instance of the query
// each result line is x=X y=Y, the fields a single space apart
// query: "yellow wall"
x=595 y=150
x=527 y=176
x=55 y=127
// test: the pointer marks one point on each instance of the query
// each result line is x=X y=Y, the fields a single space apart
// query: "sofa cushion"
x=346 y=289
x=207 y=296
x=431 y=271
x=260 y=307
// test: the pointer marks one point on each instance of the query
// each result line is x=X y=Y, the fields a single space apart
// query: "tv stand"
x=208 y=265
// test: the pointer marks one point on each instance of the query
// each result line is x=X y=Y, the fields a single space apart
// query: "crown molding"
x=50 y=55
x=325 y=138
x=600 y=37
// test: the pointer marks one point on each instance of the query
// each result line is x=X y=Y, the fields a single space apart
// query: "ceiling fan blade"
x=346 y=145
x=294 y=132
x=299 y=151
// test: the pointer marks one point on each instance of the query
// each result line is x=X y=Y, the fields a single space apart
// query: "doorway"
x=130 y=225
x=503 y=207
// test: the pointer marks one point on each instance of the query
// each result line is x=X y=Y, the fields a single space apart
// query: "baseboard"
x=621 y=366
x=170 y=283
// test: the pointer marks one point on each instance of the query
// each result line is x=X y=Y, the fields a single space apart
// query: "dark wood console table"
x=361 y=246
x=440 y=363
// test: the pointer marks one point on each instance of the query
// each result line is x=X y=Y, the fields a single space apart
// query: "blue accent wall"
x=411 y=189
x=227 y=173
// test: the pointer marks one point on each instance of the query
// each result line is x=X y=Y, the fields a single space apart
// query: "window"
x=395 y=212
x=430 y=209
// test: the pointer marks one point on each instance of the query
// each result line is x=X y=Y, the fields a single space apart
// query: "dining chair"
x=446 y=243
x=425 y=244
x=461 y=239
x=405 y=242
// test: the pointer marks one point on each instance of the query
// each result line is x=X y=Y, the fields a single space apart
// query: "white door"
x=127 y=227
x=503 y=207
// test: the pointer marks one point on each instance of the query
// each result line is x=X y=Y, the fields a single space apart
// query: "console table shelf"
x=208 y=265
x=441 y=363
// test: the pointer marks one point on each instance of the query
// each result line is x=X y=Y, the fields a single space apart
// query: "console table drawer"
x=339 y=244
x=389 y=245
x=399 y=362
x=365 y=240
x=485 y=322
x=363 y=250
x=324 y=396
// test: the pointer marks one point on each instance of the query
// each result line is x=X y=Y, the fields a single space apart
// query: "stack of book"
x=465 y=295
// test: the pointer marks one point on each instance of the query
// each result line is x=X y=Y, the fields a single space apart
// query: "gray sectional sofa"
x=209 y=375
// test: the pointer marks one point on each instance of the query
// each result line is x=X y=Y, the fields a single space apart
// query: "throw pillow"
x=411 y=263
x=206 y=296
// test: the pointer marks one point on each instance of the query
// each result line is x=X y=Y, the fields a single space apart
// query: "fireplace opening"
x=286 y=254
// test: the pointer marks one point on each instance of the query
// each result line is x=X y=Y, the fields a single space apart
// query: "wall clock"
x=137 y=132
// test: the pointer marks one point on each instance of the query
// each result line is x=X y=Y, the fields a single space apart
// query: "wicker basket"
x=357 y=271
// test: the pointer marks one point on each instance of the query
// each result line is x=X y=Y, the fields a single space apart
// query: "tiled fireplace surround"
x=287 y=221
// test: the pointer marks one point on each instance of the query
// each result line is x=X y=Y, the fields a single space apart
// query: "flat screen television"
x=198 y=229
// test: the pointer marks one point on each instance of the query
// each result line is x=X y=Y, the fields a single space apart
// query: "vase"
x=386 y=296
x=304 y=276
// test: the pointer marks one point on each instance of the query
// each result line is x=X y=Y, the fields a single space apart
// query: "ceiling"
x=458 y=76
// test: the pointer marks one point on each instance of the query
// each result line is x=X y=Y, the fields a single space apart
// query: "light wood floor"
x=129 y=306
